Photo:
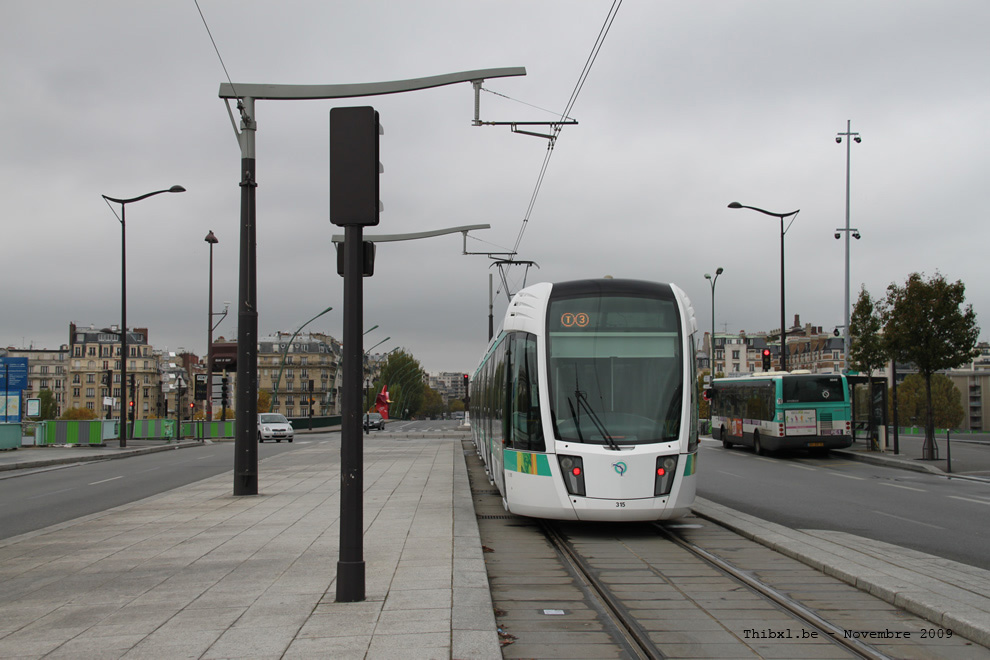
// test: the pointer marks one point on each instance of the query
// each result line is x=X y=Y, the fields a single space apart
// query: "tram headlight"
x=572 y=467
x=664 y=479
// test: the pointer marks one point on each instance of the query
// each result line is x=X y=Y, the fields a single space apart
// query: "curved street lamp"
x=123 y=302
x=783 y=327
x=711 y=281
x=285 y=351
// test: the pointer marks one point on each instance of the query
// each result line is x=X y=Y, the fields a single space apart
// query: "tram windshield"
x=615 y=369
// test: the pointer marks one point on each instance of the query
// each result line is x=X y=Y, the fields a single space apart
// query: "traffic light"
x=354 y=166
x=467 y=397
x=766 y=359
x=130 y=412
x=223 y=392
x=108 y=378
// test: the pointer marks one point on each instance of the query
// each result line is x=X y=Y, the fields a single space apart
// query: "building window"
x=90 y=391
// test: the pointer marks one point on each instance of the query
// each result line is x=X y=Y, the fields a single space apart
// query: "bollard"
x=948 y=453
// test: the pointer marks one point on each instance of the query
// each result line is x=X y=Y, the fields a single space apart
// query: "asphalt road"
x=34 y=499
x=933 y=514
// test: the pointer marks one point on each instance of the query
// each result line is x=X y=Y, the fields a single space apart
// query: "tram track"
x=635 y=638
x=782 y=600
x=687 y=588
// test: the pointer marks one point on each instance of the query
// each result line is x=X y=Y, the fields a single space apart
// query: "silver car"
x=272 y=426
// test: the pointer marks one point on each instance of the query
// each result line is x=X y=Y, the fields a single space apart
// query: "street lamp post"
x=285 y=351
x=711 y=281
x=783 y=327
x=850 y=137
x=212 y=240
x=123 y=302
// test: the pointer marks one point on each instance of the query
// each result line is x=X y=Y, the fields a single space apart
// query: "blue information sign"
x=13 y=379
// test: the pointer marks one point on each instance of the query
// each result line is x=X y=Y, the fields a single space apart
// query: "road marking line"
x=883 y=513
x=968 y=499
x=848 y=476
x=731 y=474
x=803 y=467
x=106 y=480
x=917 y=490
x=54 y=492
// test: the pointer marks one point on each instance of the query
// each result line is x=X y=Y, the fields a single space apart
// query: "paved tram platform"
x=197 y=572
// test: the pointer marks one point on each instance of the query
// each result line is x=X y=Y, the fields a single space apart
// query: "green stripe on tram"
x=527 y=462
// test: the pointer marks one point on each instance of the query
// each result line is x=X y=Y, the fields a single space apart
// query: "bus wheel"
x=725 y=440
x=757 y=447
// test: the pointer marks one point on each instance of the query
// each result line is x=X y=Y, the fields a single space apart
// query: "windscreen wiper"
x=582 y=398
x=576 y=414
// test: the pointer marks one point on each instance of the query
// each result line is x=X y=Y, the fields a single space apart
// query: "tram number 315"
x=619 y=505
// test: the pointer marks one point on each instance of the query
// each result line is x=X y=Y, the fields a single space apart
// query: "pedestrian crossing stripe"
x=527 y=463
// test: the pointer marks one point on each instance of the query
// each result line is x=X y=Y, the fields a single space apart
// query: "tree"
x=432 y=402
x=265 y=401
x=867 y=348
x=49 y=406
x=403 y=377
x=78 y=414
x=925 y=323
x=946 y=400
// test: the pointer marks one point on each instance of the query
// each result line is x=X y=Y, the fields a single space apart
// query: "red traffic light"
x=766 y=352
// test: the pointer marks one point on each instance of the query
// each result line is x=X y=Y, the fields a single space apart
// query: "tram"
x=584 y=404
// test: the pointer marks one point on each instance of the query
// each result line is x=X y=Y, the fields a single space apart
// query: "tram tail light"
x=666 y=470
x=572 y=467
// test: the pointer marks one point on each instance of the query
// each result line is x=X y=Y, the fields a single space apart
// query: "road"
x=34 y=499
x=948 y=518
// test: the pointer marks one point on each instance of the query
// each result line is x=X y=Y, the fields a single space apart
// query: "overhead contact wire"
x=599 y=42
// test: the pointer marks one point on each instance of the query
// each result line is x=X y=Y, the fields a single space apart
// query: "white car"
x=272 y=426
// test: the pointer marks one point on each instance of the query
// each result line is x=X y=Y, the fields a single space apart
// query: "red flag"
x=382 y=401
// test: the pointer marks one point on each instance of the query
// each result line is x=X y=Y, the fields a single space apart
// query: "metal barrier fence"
x=72 y=432
x=10 y=435
x=98 y=431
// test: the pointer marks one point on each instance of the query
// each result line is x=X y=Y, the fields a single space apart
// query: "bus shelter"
x=869 y=410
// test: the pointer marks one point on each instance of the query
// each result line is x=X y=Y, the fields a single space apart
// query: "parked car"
x=273 y=426
x=373 y=421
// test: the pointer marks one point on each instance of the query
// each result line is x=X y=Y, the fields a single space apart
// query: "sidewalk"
x=968 y=459
x=197 y=572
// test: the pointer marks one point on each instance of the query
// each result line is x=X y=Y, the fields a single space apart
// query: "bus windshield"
x=813 y=389
x=615 y=369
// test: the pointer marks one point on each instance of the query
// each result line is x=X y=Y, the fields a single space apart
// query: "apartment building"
x=92 y=353
x=310 y=370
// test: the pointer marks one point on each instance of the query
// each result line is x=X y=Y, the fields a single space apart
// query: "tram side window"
x=525 y=428
x=498 y=394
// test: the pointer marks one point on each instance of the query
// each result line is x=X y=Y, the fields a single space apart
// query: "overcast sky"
x=689 y=106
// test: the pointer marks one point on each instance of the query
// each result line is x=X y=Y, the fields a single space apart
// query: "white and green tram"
x=584 y=405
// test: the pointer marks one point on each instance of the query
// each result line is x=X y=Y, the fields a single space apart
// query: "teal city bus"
x=771 y=411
